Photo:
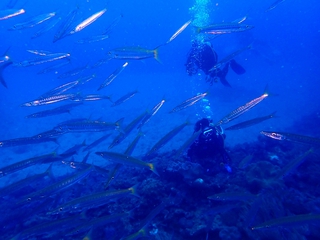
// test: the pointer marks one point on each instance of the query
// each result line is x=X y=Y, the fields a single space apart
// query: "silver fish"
x=251 y=122
x=97 y=142
x=42 y=59
x=166 y=139
x=87 y=126
x=112 y=76
x=55 y=67
x=154 y=110
x=96 y=222
x=94 y=97
x=93 y=200
x=242 y=109
x=223 y=28
x=27 y=163
x=33 y=21
x=55 y=111
x=127 y=130
x=189 y=102
x=229 y=57
x=133 y=53
x=128 y=152
x=56 y=187
x=25 y=182
x=127 y=160
x=124 y=98
x=289 y=221
x=274 y=5
x=292 y=137
x=96 y=38
x=85 y=23
x=25 y=141
x=9 y=13
x=65 y=25
x=60 y=89
x=46 y=28
x=50 y=100
x=180 y=30
x=73 y=72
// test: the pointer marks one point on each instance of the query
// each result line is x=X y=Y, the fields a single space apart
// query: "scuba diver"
x=202 y=56
x=209 y=145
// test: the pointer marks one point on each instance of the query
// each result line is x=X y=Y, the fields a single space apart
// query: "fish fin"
x=153 y=168
x=134 y=190
x=109 y=98
x=6 y=52
x=88 y=236
x=272 y=115
x=86 y=158
x=83 y=215
x=54 y=153
x=156 y=54
x=266 y=91
x=49 y=172
x=236 y=67
x=119 y=123
x=140 y=133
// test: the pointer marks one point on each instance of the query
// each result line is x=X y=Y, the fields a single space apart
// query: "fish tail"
x=49 y=172
x=134 y=190
x=153 y=168
x=267 y=92
x=273 y=115
x=156 y=54
x=118 y=123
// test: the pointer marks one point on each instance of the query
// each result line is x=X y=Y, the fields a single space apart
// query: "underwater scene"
x=177 y=120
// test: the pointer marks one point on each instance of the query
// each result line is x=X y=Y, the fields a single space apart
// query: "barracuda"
x=50 y=100
x=93 y=200
x=27 y=163
x=127 y=160
x=56 y=187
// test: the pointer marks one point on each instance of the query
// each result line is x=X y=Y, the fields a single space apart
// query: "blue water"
x=284 y=56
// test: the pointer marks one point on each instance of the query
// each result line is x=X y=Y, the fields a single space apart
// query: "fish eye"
x=1 y=144
x=29 y=199
x=60 y=209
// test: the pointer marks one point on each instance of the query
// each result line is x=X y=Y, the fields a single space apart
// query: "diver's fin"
x=236 y=67
x=3 y=82
x=222 y=75
x=224 y=82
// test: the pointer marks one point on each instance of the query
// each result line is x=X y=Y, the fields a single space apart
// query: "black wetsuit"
x=202 y=56
x=209 y=145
